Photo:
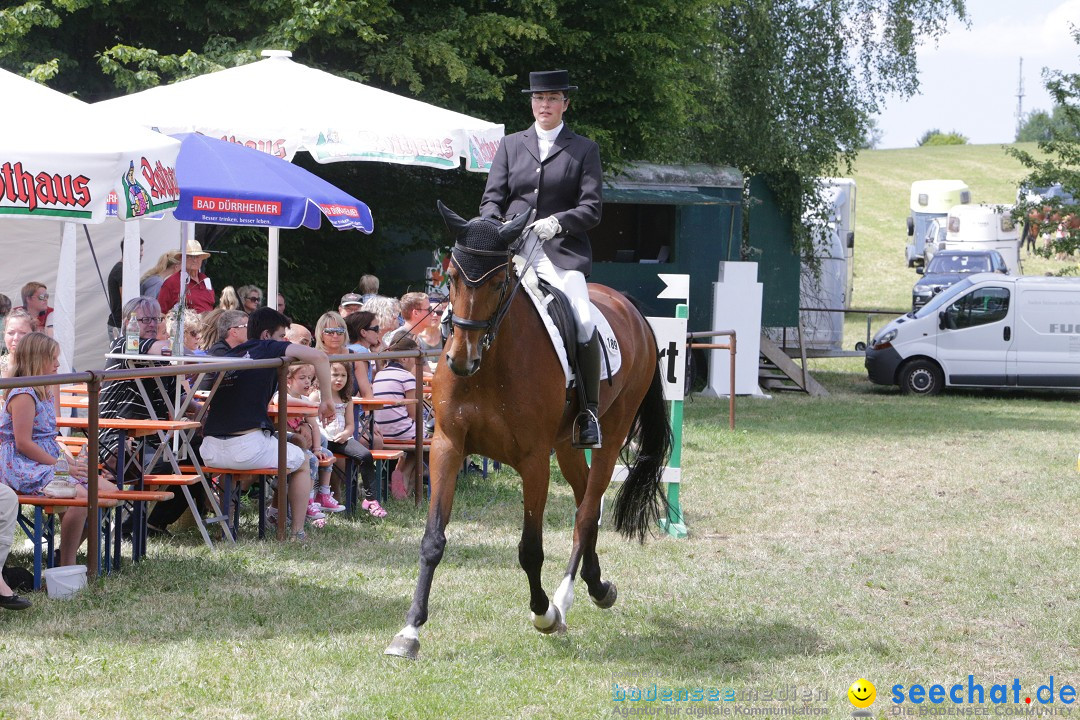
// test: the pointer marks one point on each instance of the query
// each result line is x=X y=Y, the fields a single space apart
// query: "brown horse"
x=514 y=407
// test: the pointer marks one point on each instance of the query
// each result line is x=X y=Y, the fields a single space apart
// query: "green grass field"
x=903 y=540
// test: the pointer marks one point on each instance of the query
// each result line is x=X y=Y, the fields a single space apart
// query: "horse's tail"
x=641 y=501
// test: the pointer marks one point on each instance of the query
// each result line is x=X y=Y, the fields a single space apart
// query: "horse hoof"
x=408 y=648
x=556 y=628
x=609 y=598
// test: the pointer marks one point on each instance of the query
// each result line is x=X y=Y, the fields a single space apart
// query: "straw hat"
x=194 y=249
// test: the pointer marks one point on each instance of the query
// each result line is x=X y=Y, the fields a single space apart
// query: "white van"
x=980 y=227
x=987 y=330
x=930 y=199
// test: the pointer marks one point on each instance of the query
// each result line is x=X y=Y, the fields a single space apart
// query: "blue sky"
x=969 y=79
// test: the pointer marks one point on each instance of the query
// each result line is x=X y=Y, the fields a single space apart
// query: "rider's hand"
x=547 y=228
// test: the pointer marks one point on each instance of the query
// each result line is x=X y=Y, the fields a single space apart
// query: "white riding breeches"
x=571 y=282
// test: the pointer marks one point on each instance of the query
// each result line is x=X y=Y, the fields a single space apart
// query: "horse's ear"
x=454 y=222
x=512 y=230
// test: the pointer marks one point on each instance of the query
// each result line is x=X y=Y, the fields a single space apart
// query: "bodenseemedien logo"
x=862 y=694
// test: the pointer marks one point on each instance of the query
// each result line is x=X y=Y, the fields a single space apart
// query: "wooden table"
x=134 y=428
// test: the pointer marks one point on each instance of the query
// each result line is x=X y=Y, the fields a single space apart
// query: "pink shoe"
x=397 y=485
x=313 y=512
x=328 y=503
x=374 y=508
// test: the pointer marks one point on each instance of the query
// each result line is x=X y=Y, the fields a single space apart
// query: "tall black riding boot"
x=587 y=424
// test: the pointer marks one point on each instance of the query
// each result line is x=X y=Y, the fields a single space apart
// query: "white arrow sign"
x=678 y=287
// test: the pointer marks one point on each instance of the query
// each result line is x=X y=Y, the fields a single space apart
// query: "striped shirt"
x=392 y=382
x=121 y=398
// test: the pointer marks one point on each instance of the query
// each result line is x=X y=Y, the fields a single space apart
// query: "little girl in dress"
x=28 y=447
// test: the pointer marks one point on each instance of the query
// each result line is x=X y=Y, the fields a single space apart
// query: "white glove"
x=546 y=229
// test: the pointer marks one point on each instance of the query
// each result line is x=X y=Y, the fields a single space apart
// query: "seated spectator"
x=387 y=313
x=208 y=329
x=418 y=315
x=232 y=331
x=339 y=437
x=150 y=286
x=369 y=287
x=229 y=300
x=251 y=298
x=350 y=303
x=364 y=338
x=35 y=298
x=17 y=324
x=304 y=433
x=330 y=334
x=238 y=432
x=299 y=334
x=397 y=381
x=5 y=306
x=9 y=510
x=200 y=294
x=121 y=398
x=28 y=447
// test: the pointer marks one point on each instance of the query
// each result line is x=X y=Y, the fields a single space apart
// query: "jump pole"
x=671 y=344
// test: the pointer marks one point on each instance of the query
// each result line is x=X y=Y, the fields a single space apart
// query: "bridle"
x=490 y=327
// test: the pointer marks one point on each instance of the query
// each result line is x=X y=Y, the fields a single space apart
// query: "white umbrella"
x=280 y=107
x=60 y=160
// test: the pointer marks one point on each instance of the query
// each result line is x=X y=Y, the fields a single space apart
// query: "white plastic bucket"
x=64 y=582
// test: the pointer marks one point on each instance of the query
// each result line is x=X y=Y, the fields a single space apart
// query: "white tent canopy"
x=62 y=161
x=280 y=107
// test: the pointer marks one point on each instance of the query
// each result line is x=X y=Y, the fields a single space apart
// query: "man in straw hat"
x=200 y=294
x=556 y=172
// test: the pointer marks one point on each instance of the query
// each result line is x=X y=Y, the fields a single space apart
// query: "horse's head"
x=479 y=275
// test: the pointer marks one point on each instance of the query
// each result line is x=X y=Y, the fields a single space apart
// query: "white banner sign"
x=671 y=341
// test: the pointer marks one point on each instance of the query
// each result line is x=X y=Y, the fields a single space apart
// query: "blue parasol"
x=223 y=183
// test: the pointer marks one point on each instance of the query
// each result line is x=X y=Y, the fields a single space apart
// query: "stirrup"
x=580 y=440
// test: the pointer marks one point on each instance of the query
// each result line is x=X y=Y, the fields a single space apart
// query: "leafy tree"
x=1041 y=125
x=936 y=137
x=1057 y=163
x=872 y=138
x=783 y=89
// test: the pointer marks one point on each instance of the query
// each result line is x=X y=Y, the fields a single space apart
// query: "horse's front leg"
x=443 y=470
x=535 y=476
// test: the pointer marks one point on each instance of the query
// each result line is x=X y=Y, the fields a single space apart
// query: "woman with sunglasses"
x=35 y=296
x=364 y=336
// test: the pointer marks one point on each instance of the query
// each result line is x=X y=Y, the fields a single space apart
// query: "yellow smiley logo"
x=862 y=693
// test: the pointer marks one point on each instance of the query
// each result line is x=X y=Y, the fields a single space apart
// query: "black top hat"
x=549 y=81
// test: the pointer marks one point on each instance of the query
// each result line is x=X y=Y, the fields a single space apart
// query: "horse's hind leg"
x=535 y=476
x=445 y=461
x=576 y=471
x=587 y=495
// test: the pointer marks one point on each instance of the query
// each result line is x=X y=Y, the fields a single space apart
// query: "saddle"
x=558 y=316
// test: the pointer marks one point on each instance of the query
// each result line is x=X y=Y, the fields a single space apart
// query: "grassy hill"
x=884 y=177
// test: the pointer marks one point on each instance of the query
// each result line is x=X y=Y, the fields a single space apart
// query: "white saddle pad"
x=530 y=282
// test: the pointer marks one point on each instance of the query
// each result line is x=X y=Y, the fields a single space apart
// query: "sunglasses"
x=373 y=329
x=43 y=296
x=254 y=298
x=239 y=327
x=193 y=333
x=334 y=331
